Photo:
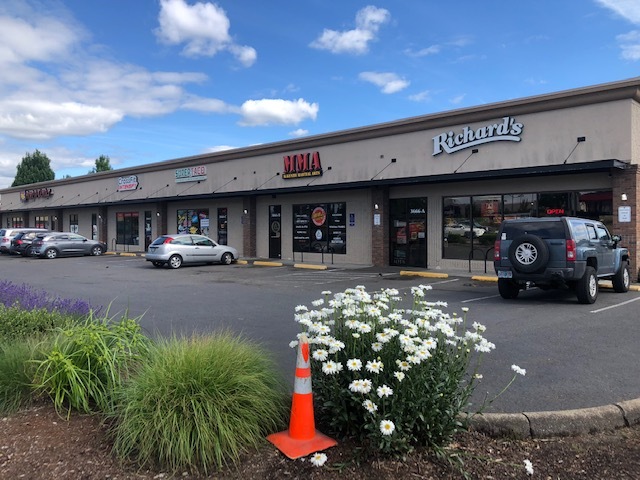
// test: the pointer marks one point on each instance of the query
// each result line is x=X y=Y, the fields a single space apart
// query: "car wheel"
x=96 y=251
x=226 y=258
x=587 y=286
x=51 y=253
x=621 y=280
x=508 y=289
x=157 y=264
x=175 y=261
x=528 y=253
x=26 y=252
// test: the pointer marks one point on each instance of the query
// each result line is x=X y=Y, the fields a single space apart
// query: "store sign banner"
x=35 y=193
x=191 y=174
x=302 y=165
x=126 y=184
x=450 y=142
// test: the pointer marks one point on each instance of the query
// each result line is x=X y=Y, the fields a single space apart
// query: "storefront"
x=424 y=192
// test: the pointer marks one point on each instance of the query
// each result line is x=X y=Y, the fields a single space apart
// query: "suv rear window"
x=511 y=231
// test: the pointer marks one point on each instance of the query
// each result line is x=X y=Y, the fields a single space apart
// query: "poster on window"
x=320 y=228
x=190 y=221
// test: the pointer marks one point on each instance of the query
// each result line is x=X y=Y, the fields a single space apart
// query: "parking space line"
x=479 y=298
x=616 y=305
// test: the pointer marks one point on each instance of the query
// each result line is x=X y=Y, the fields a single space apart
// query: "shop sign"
x=127 y=183
x=302 y=165
x=508 y=130
x=191 y=174
x=35 y=193
x=555 y=211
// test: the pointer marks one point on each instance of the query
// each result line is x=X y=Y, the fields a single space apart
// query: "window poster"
x=190 y=221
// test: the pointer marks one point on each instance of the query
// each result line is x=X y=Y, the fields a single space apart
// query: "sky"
x=151 y=80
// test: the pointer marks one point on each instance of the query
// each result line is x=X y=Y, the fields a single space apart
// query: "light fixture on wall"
x=245 y=211
x=473 y=151
x=579 y=140
x=157 y=214
x=393 y=160
x=623 y=197
x=375 y=206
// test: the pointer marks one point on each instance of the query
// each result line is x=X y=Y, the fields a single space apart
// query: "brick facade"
x=380 y=233
x=625 y=182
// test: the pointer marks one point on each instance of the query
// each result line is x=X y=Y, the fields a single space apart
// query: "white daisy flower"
x=375 y=367
x=518 y=370
x=384 y=391
x=320 y=355
x=387 y=427
x=370 y=406
x=331 y=367
x=318 y=459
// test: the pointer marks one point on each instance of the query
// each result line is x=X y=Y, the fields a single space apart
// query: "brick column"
x=380 y=233
x=249 y=227
x=626 y=182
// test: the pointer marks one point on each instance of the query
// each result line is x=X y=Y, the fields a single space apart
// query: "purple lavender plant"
x=27 y=298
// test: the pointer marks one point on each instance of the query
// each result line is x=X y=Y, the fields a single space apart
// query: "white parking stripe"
x=616 y=305
x=479 y=298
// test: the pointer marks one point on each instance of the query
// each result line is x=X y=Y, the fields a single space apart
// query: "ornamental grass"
x=197 y=403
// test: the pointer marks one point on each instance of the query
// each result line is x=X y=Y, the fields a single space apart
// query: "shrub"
x=28 y=298
x=18 y=323
x=197 y=403
x=16 y=371
x=87 y=362
x=390 y=377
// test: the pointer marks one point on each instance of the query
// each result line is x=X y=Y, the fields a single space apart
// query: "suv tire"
x=528 y=253
x=621 y=280
x=508 y=289
x=587 y=286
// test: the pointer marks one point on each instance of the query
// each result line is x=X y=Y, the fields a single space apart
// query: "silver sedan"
x=174 y=250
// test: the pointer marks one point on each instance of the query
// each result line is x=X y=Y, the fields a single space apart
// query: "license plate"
x=505 y=274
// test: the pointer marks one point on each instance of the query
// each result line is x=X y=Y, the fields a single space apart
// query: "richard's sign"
x=508 y=130
x=302 y=165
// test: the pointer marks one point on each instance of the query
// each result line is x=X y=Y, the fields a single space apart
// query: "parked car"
x=53 y=245
x=21 y=243
x=559 y=252
x=6 y=234
x=464 y=230
x=174 y=250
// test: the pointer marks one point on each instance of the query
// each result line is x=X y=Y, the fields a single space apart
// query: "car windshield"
x=540 y=229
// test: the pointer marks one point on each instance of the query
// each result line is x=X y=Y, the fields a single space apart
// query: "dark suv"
x=559 y=252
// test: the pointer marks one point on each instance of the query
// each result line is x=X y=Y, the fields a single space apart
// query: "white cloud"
x=277 y=112
x=300 y=132
x=388 y=82
x=423 y=52
x=207 y=105
x=630 y=45
x=219 y=148
x=628 y=9
x=423 y=96
x=356 y=41
x=203 y=28
x=457 y=100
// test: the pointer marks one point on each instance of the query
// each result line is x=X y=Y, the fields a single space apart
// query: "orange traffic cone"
x=302 y=438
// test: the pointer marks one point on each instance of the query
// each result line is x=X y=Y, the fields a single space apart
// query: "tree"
x=34 y=167
x=102 y=165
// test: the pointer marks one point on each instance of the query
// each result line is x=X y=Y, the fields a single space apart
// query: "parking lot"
x=575 y=355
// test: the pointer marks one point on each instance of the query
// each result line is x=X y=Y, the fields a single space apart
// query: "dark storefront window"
x=194 y=221
x=470 y=223
x=127 y=232
x=408 y=234
x=73 y=223
x=222 y=226
x=40 y=222
x=320 y=228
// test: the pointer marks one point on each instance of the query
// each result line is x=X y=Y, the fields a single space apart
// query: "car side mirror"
x=616 y=238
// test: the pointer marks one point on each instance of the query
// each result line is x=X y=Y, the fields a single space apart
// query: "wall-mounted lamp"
x=393 y=160
x=375 y=206
x=623 y=197
x=157 y=214
x=579 y=140
x=245 y=211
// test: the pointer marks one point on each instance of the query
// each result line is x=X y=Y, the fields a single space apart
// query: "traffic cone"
x=302 y=438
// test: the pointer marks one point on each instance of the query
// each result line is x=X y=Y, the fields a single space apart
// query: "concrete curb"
x=310 y=266
x=563 y=423
x=411 y=273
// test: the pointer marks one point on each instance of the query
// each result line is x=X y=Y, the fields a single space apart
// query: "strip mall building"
x=426 y=192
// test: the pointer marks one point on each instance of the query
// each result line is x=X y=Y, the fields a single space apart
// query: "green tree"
x=35 y=167
x=102 y=165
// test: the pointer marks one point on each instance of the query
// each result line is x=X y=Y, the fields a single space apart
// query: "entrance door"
x=275 y=234
x=408 y=235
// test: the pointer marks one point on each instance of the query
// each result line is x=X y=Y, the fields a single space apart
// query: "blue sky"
x=150 y=80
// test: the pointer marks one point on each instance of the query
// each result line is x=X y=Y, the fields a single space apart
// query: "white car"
x=464 y=230
x=174 y=250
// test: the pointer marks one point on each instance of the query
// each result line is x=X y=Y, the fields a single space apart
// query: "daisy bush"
x=391 y=377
